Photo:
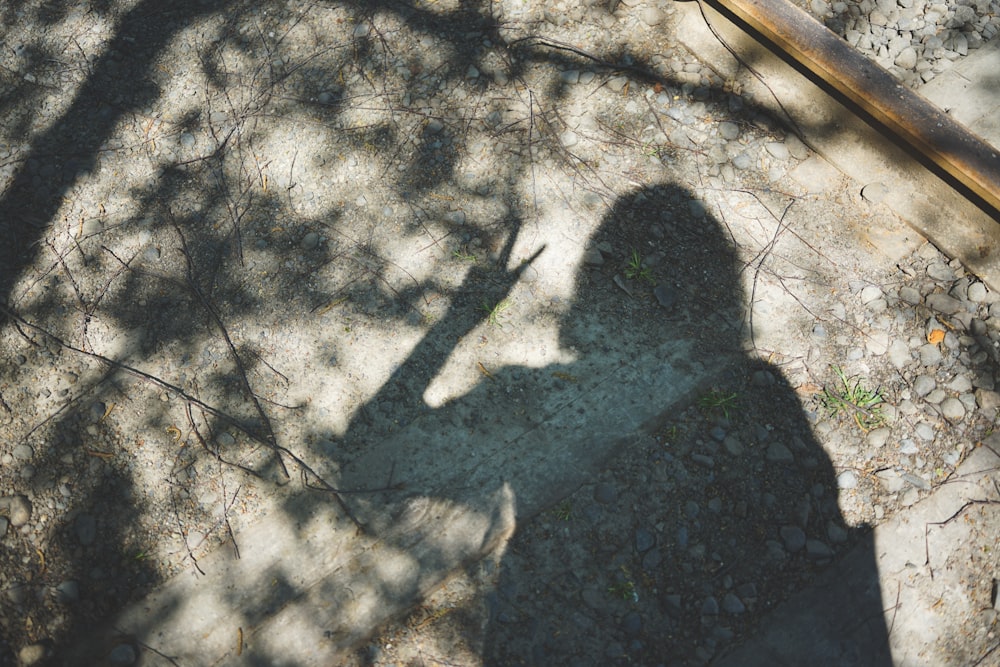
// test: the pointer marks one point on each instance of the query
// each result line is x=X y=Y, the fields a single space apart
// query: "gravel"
x=915 y=40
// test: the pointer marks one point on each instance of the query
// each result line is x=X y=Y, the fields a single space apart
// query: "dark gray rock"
x=942 y=303
x=778 y=453
x=818 y=550
x=710 y=607
x=122 y=655
x=731 y=604
x=644 y=540
x=793 y=537
x=632 y=624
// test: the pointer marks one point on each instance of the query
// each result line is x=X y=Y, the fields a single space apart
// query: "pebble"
x=742 y=161
x=899 y=354
x=961 y=384
x=977 y=292
x=605 y=493
x=672 y=604
x=910 y=295
x=877 y=438
x=953 y=409
x=710 y=607
x=777 y=150
x=23 y=452
x=793 y=538
x=455 y=217
x=593 y=257
x=915 y=481
x=594 y=598
x=729 y=131
x=652 y=16
x=941 y=272
x=122 y=655
x=778 y=453
x=310 y=241
x=703 y=460
x=731 y=604
x=632 y=624
x=617 y=83
x=732 y=446
x=923 y=385
x=652 y=559
x=988 y=401
x=907 y=58
x=943 y=303
x=665 y=296
x=33 y=654
x=870 y=293
x=909 y=497
x=17 y=509
x=818 y=550
x=644 y=540
x=17 y=592
x=847 y=480
x=835 y=533
x=930 y=355
x=924 y=431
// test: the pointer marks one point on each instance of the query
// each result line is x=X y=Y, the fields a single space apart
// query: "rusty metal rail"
x=935 y=135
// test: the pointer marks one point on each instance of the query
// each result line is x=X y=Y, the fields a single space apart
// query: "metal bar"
x=917 y=122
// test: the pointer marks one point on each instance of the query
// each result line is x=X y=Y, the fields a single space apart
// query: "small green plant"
x=495 y=312
x=718 y=401
x=463 y=256
x=624 y=589
x=634 y=270
x=563 y=511
x=852 y=395
x=669 y=434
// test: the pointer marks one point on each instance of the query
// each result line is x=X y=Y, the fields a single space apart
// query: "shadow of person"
x=680 y=535
x=679 y=496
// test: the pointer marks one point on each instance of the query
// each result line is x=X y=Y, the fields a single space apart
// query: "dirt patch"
x=255 y=251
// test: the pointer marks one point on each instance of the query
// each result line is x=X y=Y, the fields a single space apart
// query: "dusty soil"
x=229 y=226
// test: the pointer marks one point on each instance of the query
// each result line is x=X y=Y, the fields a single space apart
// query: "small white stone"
x=847 y=480
x=651 y=16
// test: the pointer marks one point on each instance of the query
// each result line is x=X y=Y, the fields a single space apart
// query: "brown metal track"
x=917 y=122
